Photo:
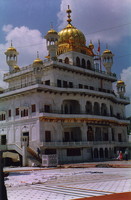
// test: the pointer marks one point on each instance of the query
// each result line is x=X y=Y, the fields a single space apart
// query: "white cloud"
x=126 y=77
x=92 y=16
x=7 y=28
x=26 y=41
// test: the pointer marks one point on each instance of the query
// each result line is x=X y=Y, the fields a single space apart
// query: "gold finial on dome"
x=11 y=48
x=52 y=31
x=91 y=46
x=38 y=60
x=107 y=51
x=37 y=54
x=69 y=16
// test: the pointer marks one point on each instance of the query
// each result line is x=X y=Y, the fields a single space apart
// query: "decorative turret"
x=38 y=66
x=107 y=60
x=11 y=57
x=91 y=46
x=51 y=42
x=121 y=88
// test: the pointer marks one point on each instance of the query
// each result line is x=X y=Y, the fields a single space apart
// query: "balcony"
x=59 y=113
x=91 y=71
x=83 y=144
x=73 y=89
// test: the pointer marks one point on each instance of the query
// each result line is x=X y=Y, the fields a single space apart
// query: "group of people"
x=121 y=156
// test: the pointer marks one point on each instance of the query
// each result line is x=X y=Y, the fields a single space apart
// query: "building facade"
x=65 y=104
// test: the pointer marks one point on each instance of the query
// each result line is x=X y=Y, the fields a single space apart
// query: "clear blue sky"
x=27 y=21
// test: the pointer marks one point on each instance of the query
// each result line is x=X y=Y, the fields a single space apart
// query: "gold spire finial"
x=11 y=44
x=69 y=16
x=37 y=54
x=51 y=25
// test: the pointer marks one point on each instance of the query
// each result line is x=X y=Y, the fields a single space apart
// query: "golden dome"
x=107 y=51
x=72 y=39
x=120 y=82
x=38 y=61
x=70 y=32
x=52 y=31
x=16 y=67
x=11 y=49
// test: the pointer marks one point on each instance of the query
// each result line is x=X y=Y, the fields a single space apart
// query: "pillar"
x=24 y=150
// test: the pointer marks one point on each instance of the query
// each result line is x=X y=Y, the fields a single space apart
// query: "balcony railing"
x=23 y=85
x=81 y=113
x=83 y=144
x=48 y=62
x=69 y=88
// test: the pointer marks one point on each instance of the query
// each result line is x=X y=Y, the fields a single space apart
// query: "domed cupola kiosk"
x=121 y=89
x=107 y=60
x=51 y=42
x=11 y=57
x=37 y=68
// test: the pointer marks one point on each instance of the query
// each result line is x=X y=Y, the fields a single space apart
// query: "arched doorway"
x=88 y=64
x=96 y=153
x=101 y=153
x=88 y=107
x=90 y=135
x=96 y=108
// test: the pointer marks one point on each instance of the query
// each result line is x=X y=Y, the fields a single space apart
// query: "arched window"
x=104 y=109
x=106 y=153
x=101 y=153
x=83 y=63
x=105 y=134
x=70 y=107
x=77 y=61
x=90 y=135
x=96 y=108
x=111 y=111
x=98 y=134
x=110 y=153
x=66 y=109
x=88 y=64
x=67 y=60
x=88 y=107
x=95 y=153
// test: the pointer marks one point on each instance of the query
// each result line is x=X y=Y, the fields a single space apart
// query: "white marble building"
x=64 y=105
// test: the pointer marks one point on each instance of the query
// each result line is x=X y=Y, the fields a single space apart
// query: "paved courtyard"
x=70 y=183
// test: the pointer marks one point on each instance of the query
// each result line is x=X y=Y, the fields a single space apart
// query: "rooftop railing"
x=47 y=61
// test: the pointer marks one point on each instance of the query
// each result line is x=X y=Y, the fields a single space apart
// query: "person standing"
x=120 y=156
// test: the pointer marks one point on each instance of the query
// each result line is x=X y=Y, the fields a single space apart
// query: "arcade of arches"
x=74 y=107
x=79 y=62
